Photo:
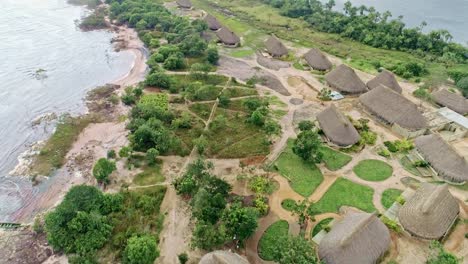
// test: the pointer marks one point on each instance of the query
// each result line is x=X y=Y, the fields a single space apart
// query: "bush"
x=463 y=86
x=369 y=137
x=111 y=154
x=392 y=225
x=124 y=152
x=103 y=169
x=183 y=258
x=159 y=79
x=384 y=153
x=212 y=56
x=325 y=94
x=390 y=146
x=423 y=94
x=421 y=163
x=151 y=155
x=141 y=250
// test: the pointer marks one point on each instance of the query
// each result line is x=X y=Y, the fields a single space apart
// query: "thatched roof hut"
x=227 y=37
x=450 y=165
x=222 y=257
x=337 y=127
x=430 y=212
x=212 y=22
x=275 y=47
x=393 y=108
x=184 y=3
x=358 y=238
x=317 y=60
x=386 y=78
x=345 y=80
x=451 y=100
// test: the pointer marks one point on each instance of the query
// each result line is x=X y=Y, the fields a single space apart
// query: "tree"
x=463 y=85
x=439 y=255
x=183 y=258
x=141 y=250
x=240 y=222
x=207 y=207
x=207 y=236
x=103 y=169
x=174 y=62
x=199 y=71
x=159 y=79
x=224 y=101
x=306 y=125
x=294 y=250
x=212 y=56
x=201 y=143
x=151 y=155
x=307 y=146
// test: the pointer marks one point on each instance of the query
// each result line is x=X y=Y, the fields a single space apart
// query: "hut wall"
x=407 y=133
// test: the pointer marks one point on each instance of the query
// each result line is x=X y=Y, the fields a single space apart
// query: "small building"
x=212 y=22
x=454 y=101
x=345 y=80
x=275 y=47
x=358 y=238
x=447 y=123
x=227 y=37
x=337 y=127
x=429 y=213
x=317 y=60
x=449 y=165
x=185 y=4
x=385 y=78
x=222 y=257
x=393 y=109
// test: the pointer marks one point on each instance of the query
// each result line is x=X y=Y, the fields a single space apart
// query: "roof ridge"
x=364 y=222
x=427 y=205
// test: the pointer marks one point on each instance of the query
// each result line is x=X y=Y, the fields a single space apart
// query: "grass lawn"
x=239 y=92
x=373 y=170
x=203 y=110
x=334 y=160
x=346 y=192
x=266 y=246
x=389 y=196
x=288 y=204
x=304 y=177
x=321 y=225
x=241 y=53
x=150 y=175
x=187 y=135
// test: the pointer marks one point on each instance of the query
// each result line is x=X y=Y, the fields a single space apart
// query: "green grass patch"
x=345 y=192
x=334 y=160
x=241 y=53
x=298 y=66
x=239 y=92
x=373 y=170
x=288 y=204
x=150 y=175
x=408 y=166
x=273 y=100
x=320 y=226
x=187 y=135
x=202 y=110
x=267 y=243
x=389 y=196
x=304 y=177
x=278 y=113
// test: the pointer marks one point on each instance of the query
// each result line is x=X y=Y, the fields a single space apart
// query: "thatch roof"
x=358 y=238
x=184 y=3
x=275 y=47
x=212 y=22
x=451 y=100
x=227 y=36
x=345 y=80
x=317 y=60
x=337 y=127
x=386 y=78
x=430 y=212
x=222 y=257
x=393 y=108
x=443 y=158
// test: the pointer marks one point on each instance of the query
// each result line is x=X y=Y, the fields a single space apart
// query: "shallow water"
x=42 y=34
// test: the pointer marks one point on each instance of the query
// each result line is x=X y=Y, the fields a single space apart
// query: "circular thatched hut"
x=454 y=101
x=317 y=60
x=337 y=127
x=386 y=78
x=222 y=257
x=345 y=80
x=275 y=47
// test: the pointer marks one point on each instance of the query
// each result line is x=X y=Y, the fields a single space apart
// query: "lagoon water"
x=42 y=34
x=451 y=15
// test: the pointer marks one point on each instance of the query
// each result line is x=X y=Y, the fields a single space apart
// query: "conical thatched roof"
x=275 y=47
x=317 y=60
x=337 y=127
x=393 y=108
x=227 y=36
x=451 y=100
x=443 y=158
x=358 y=238
x=345 y=79
x=184 y=3
x=222 y=257
x=430 y=212
x=386 y=78
x=212 y=22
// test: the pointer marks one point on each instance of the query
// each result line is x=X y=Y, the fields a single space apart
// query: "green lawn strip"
x=373 y=170
x=150 y=175
x=389 y=196
x=238 y=105
x=256 y=145
x=334 y=160
x=241 y=53
x=304 y=177
x=345 y=192
x=187 y=135
x=203 y=110
x=239 y=92
x=267 y=243
x=408 y=166
x=288 y=204
x=319 y=226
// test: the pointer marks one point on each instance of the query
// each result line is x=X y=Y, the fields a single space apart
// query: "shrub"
x=325 y=94
x=463 y=85
x=392 y=225
x=183 y=258
x=141 y=250
x=103 y=169
x=159 y=79
x=111 y=154
x=212 y=55
x=384 y=153
x=421 y=163
x=124 y=152
x=423 y=94
x=369 y=137
x=390 y=146
x=151 y=155
x=400 y=200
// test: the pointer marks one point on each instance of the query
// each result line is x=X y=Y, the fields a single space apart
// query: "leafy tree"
x=193 y=45
x=294 y=250
x=201 y=143
x=212 y=56
x=124 y=152
x=307 y=146
x=224 y=101
x=111 y=154
x=306 y=125
x=102 y=169
x=159 y=79
x=174 y=62
x=199 y=71
x=183 y=258
x=141 y=250
x=240 y=222
x=463 y=85
x=207 y=236
x=151 y=155
x=207 y=207
x=258 y=117
x=440 y=256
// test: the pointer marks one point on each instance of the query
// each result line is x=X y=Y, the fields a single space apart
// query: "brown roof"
x=222 y=257
x=227 y=36
x=430 y=212
x=337 y=127
x=212 y=22
x=451 y=100
x=393 y=108
x=275 y=47
x=184 y=3
x=386 y=78
x=345 y=79
x=450 y=165
x=317 y=60
x=358 y=238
